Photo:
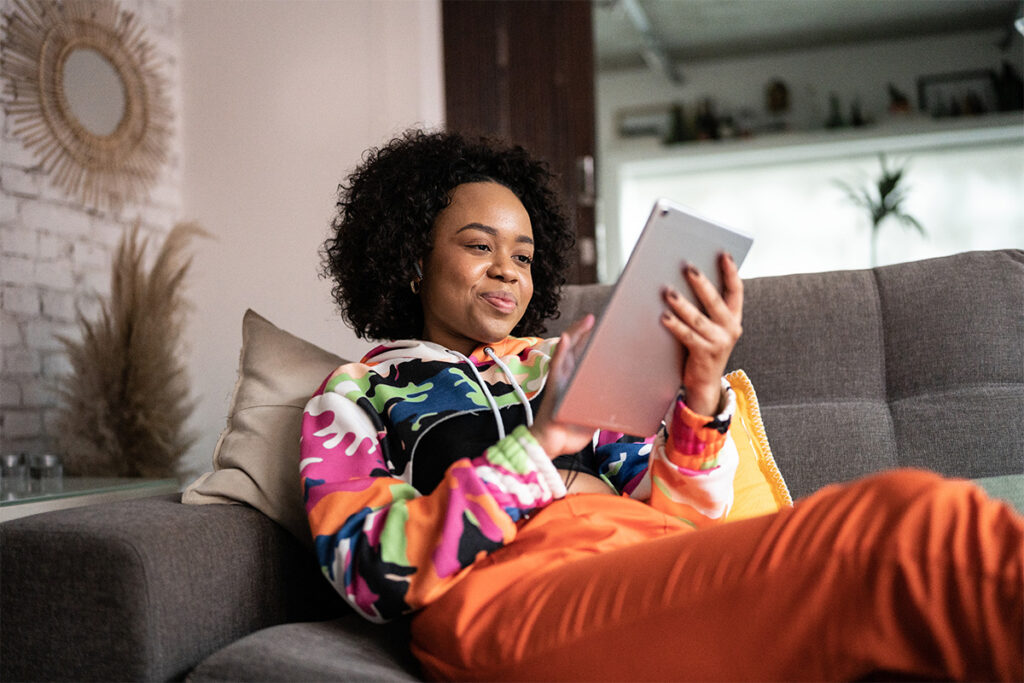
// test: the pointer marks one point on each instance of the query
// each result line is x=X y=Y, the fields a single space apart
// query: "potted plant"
x=883 y=199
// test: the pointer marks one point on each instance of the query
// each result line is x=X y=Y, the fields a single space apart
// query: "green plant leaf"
x=892 y=192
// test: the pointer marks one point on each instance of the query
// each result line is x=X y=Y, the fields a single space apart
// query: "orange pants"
x=905 y=573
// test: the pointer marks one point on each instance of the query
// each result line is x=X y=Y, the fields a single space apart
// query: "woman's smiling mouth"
x=503 y=301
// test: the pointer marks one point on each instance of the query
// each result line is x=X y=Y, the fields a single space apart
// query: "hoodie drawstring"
x=520 y=394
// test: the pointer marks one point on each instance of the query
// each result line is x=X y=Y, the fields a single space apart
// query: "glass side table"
x=42 y=495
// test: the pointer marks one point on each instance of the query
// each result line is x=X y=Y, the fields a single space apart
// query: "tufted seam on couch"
x=829 y=400
x=880 y=311
x=963 y=349
x=1011 y=389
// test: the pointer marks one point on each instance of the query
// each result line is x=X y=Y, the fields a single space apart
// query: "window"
x=966 y=187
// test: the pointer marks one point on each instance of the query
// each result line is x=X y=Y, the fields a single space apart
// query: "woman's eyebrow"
x=491 y=231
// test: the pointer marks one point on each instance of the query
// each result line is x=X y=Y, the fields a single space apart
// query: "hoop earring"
x=414 y=285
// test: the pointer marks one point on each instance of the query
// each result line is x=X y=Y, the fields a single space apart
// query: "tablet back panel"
x=630 y=370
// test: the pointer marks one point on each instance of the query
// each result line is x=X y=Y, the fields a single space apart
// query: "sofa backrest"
x=918 y=364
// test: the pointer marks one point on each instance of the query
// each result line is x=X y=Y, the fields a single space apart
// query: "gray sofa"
x=919 y=364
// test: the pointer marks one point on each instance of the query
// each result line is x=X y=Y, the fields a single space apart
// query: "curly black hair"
x=385 y=212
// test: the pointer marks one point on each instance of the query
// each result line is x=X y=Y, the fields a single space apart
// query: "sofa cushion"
x=347 y=649
x=954 y=349
x=758 y=486
x=917 y=364
x=144 y=589
x=256 y=460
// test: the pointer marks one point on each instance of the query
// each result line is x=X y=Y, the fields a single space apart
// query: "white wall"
x=281 y=98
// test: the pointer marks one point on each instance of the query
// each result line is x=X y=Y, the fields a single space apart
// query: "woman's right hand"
x=560 y=438
x=707 y=333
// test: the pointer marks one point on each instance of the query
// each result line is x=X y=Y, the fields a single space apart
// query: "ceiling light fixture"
x=654 y=53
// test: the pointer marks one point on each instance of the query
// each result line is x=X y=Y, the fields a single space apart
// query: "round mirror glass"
x=94 y=91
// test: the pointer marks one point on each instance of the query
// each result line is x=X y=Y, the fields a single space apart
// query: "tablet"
x=629 y=371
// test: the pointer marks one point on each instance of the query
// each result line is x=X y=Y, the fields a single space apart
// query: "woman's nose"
x=502 y=268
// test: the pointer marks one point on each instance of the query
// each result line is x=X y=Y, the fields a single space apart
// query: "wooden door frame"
x=523 y=71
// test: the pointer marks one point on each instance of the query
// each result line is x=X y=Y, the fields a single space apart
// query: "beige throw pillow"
x=256 y=460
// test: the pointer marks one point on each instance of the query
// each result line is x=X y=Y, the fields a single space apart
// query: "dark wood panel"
x=522 y=70
x=475 y=77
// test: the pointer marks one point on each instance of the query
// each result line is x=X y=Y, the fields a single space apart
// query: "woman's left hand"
x=560 y=438
x=709 y=335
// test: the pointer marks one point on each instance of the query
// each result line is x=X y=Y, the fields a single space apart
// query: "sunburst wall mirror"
x=85 y=98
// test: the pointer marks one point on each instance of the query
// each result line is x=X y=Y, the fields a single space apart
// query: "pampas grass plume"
x=125 y=403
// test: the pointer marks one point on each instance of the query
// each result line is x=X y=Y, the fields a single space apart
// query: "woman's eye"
x=527 y=260
x=479 y=247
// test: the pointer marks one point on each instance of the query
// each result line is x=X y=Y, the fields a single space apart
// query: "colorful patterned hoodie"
x=417 y=461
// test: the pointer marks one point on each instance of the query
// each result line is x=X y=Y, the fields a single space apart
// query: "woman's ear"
x=416 y=282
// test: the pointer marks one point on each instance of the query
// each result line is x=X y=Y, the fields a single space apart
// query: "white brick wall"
x=55 y=254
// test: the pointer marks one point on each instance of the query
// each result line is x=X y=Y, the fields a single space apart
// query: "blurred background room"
x=762 y=113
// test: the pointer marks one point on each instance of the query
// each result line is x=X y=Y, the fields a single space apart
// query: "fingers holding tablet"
x=709 y=332
x=632 y=348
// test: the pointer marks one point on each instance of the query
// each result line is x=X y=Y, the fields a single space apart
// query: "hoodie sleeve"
x=386 y=548
x=686 y=470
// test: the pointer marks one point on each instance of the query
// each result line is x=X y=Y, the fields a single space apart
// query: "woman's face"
x=476 y=279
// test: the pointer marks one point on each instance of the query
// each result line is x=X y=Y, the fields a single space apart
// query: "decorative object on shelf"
x=45 y=473
x=776 y=97
x=835 y=117
x=857 y=119
x=1009 y=89
x=706 y=123
x=898 y=102
x=883 y=199
x=13 y=475
x=125 y=403
x=964 y=93
x=85 y=97
x=678 y=130
x=644 y=121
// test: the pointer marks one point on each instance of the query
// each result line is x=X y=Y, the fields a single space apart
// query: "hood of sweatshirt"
x=520 y=362
x=414 y=349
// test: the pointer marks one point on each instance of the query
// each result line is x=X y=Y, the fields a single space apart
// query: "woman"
x=438 y=484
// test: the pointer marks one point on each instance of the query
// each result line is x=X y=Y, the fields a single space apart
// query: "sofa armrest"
x=145 y=589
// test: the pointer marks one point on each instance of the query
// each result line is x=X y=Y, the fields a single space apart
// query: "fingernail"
x=672 y=294
x=690 y=270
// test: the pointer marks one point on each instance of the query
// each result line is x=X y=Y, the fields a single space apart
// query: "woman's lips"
x=505 y=303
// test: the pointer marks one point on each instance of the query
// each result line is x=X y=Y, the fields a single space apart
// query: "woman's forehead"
x=487 y=204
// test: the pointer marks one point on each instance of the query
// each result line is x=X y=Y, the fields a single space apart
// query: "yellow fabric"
x=759 y=486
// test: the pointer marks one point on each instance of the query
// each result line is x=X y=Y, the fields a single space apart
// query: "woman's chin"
x=492 y=334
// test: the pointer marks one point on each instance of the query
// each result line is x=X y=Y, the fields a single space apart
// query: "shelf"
x=648 y=157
